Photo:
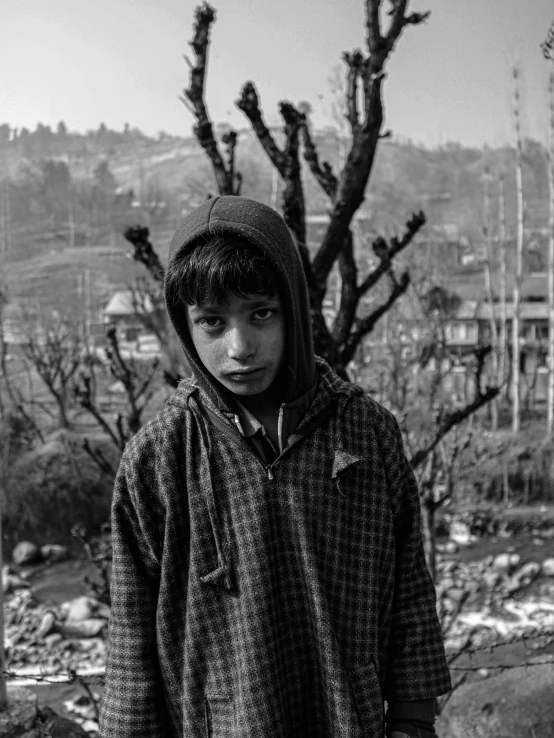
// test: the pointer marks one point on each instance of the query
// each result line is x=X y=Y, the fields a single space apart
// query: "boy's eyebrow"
x=218 y=308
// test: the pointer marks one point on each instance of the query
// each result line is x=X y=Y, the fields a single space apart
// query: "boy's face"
x=241 y=342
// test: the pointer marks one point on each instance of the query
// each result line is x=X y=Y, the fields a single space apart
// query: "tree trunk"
x=3 y=692
x=550 y=405
x=503 y=269
x=490 y=296
x=516 y=397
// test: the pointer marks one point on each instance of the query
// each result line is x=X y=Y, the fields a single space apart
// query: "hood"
x=264 y=228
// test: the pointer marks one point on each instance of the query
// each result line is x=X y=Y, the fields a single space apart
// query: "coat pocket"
x=220 y=716
x=369 y=702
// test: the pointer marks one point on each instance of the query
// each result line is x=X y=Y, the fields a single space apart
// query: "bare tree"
x=345 y=190
x=516 y=349
x=54 y=347
x=137 y=383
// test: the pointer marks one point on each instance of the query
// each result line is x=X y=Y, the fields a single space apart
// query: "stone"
x=11 y=581
x=548 y=567
x=53 y=639
x=47 y=624
x=21 y=716
x=25 y=553
x=514 y=560
x=491 y=579
x=451 y=547
x=501 y=562
x=528 y=572
x=80 y=608
x=84 y=628
x=508 y=705
x=53 y=552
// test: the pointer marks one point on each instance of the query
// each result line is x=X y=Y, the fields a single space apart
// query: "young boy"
x=268 y=574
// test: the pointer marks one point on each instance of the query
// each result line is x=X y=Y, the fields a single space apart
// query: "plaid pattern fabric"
x=280 y=601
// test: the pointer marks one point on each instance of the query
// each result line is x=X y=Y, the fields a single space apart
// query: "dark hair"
x=212 y=269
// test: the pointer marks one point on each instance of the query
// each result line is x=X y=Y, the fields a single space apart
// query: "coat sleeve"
x=417 y=668
x=133 y=704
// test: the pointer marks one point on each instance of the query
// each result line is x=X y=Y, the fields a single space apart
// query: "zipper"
x=280 y=428
x=234 y=434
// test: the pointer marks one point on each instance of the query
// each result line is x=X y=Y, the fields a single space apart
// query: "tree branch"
x=452 y=419
x=374 y=38
x=355 y=62
x=387 y=253
x=205 y=16
x=138 y=237
x=249 y=104
x=323 y=173
x=365 y=325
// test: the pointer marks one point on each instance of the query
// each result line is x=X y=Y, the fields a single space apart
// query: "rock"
x=501 y=562
x=507 y=704
x=84 y=628
x=53 y=639
x=104 y=611
x=21 y=716
x=451 y=547
x=514 y=560
x=460 y=533
x=53 y=552
x=25 y=552
x=80 y=608
x=528 y=572
x=456 y=594
x=548 y=567
x=491 y=579
x=47 y=624
x=11 y=581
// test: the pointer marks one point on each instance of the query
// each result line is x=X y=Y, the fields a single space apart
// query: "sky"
x=118 y=61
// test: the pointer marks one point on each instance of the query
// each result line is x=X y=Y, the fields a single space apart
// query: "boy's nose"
x=240 y=345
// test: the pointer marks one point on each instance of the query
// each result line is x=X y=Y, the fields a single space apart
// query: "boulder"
x=548 y=567
x=517 y=702
x=25 y=553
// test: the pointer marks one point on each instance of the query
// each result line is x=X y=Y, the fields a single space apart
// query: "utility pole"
x=516 y=350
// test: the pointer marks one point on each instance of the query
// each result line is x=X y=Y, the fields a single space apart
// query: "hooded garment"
x=281 y=600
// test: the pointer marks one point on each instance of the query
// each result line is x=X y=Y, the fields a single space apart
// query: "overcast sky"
x=117 y=61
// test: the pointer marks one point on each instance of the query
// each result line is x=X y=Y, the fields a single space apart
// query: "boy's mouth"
x=244 y=373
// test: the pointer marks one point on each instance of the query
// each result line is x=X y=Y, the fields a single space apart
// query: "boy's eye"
x=264 y=313
x=210 y=322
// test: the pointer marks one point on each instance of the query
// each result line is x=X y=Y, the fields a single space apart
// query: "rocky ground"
x=491 y=588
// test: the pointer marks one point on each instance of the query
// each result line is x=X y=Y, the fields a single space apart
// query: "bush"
x=52 y=487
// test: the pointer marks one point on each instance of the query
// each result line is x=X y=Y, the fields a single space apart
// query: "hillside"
x=64 y=204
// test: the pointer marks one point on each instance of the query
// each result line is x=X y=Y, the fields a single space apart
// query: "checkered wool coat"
x=285 y=601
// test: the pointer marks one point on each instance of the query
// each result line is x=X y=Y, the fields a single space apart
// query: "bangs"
x=208 y=273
